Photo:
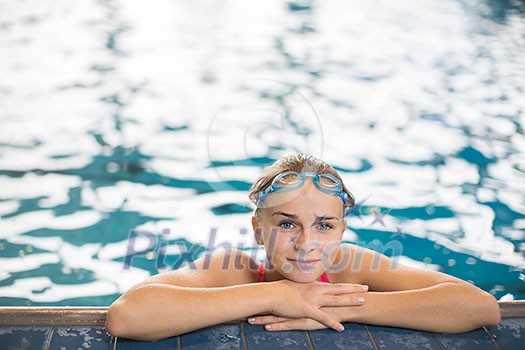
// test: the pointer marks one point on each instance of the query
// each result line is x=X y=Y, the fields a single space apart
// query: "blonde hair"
x=299 y=163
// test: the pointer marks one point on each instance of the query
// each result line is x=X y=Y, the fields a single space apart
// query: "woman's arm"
x=154 y=311
x=175 y=303
x=419 y=299
x=446 y=307
x=405 y=297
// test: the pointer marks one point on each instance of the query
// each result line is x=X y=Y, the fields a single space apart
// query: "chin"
x=303 y=277
x=303 y=280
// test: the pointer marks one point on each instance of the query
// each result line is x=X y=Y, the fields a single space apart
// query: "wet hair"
x=299 y=163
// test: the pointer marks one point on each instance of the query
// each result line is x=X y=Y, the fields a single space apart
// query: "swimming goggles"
x=291 y=180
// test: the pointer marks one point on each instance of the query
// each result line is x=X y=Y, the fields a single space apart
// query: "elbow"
x=122 y=322
x=493 y=312
x=488 y=312
x=116 y=320
x=483 y=310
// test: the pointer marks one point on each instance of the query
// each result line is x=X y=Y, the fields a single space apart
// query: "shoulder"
x=213 y=269
x=231 y=266
x=383 y=274
x=354 y=264
x=338 y=271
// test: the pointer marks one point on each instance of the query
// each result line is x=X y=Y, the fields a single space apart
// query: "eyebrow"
x=325 y=218
x=288 y=215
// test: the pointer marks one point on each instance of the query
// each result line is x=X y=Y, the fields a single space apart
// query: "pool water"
x=131 y=132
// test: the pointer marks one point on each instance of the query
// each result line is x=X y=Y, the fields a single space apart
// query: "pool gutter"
x=96 y=316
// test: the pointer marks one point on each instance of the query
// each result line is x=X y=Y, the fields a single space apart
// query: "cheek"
x=284 y=240
x=277 y=234
x=278 y=244
x=331 y=248
x=326 y=238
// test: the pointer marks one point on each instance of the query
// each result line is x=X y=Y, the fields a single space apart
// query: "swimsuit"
x=262 y=278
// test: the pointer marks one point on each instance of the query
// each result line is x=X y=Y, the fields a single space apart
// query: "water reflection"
x=126 y=115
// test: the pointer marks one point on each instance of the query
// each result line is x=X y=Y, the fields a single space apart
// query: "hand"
x=275 y=323
x=304 y=301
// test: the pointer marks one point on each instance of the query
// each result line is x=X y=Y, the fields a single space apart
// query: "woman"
x=309 y=281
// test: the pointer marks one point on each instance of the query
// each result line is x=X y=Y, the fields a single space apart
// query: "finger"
x=266 y=319
x=295 y=324
x=343 y=288
x=325 y=319
x=342 y=300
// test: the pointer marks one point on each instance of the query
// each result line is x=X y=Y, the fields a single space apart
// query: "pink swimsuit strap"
x=262 y=277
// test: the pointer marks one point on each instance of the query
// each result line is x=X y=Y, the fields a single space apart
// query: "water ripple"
x=121 y=116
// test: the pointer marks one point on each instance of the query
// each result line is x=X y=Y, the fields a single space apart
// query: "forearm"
x=447 y=307
x=155 y=311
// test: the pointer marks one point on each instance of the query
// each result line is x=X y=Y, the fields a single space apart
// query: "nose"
x=304 y=241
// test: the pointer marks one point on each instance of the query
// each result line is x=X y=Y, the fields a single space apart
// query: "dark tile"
x=355 y=336
x=510 y=332
x=258 y=338
x=80 y=337
x=477 y=339
x=228 y=336
x=164 y=344
x=24 y=337
x=399 y=338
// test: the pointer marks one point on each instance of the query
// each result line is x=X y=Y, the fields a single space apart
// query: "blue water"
x=149 y=121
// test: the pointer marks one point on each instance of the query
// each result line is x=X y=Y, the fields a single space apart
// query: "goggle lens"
x=329 y=183
x=288 y=179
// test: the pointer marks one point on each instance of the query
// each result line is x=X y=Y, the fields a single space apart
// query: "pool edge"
x=96 y=316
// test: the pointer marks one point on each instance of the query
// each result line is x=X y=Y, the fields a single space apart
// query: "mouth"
x=305 y=264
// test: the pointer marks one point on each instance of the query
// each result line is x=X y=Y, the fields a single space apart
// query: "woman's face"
x=301 y=231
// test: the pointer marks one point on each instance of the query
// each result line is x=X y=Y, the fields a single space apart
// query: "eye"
x=325 y=227
x=287 y=225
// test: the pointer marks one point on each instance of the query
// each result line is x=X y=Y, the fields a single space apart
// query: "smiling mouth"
x=304 y=262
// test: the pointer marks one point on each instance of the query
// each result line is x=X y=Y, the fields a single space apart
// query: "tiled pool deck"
x=83 y=328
